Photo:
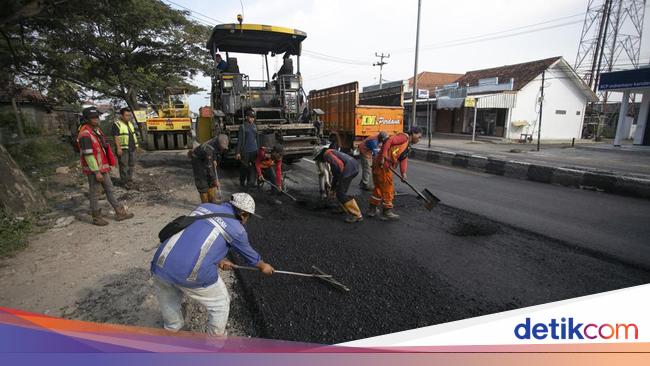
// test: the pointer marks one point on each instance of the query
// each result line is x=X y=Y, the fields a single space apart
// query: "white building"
x=508 y=101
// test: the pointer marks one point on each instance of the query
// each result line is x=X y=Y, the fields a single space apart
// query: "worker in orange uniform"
x=394 y=151
x=269 y=168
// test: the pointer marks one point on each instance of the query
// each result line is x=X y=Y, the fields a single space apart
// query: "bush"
x=42 y=155
x=14 y=233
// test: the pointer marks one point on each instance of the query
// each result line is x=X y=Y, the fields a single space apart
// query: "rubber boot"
x=98 y=219
x=354 y=211
x=205 y=198
x=212 y=195
x=121 y=214
x=372 y=210
x=388 y=214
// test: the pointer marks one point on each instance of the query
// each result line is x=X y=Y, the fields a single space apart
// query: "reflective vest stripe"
x=205 y=247
x=168 y=248
x=125 y=129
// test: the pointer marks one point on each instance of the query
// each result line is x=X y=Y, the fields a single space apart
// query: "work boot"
x=388 y=214
x=97 y=218
x=121 y=214
x=354 y=211
x=205 y=198
x=373 y=210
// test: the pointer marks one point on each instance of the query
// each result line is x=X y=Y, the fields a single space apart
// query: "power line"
x=438 y=45
x=196 y=12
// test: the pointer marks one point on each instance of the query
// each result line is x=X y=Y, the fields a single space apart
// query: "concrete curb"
x=570 y=177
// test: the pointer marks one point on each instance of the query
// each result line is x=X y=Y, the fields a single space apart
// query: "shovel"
x=279 y=190
x=430 y=200
x=319 y=275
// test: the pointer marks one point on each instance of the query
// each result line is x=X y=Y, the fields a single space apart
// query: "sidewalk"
x=589 y=165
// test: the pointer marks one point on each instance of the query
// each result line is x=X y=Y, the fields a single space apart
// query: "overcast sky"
x=352 y=31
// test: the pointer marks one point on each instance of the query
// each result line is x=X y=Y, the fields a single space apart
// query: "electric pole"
x=415 y=68
x=381 y=64
x=541 y=107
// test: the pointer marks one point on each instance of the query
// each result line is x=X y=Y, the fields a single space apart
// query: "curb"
x=569 y=177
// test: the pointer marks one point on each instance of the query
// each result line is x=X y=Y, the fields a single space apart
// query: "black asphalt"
x=454 y=262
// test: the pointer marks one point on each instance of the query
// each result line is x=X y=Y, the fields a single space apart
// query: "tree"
x=125 y=49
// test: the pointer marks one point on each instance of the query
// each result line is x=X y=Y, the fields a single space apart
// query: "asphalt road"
x=613 y=225
x=495 y=244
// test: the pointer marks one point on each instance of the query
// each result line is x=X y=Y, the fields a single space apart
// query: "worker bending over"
x=344 y=168
x=269 y=167
x=369 y=148
x=394 y=151
x=205 y=160
x=186 y=263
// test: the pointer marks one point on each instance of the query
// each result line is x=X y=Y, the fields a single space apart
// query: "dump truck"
x=342 y=113
x=170 y=126
x=278 y=101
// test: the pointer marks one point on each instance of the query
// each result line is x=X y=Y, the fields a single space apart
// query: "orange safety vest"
x=395 y=151
x=98 y=150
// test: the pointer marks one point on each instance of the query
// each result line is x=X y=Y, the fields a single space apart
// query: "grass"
x=14 y=233
x=42 y=155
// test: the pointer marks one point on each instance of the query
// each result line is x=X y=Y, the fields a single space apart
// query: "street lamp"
x=414 y=93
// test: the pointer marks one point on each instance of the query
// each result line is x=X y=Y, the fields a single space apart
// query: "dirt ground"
x=77 y=270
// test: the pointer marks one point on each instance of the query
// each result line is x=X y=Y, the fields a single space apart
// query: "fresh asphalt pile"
x=429 y=268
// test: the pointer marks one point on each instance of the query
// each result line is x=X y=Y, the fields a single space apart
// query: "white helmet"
x=244 y=202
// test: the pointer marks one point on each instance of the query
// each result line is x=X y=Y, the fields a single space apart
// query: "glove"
x=261 y=179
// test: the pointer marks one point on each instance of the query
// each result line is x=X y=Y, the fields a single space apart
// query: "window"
x=560 y=111
x=577 y=113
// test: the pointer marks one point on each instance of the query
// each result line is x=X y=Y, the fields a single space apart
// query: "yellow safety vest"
x=125 y=128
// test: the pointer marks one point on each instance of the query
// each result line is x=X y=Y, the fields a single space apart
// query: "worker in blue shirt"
x=368 y=149
x=186 y=263
x=221 y=64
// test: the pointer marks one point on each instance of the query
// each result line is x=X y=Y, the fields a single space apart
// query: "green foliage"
x=14 y=233
x=42 y=155
x=127 y=49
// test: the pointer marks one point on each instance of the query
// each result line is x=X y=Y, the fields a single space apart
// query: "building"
x=635 y=81
x=508 y=99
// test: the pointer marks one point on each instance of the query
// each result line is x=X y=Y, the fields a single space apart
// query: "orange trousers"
x=384 y=192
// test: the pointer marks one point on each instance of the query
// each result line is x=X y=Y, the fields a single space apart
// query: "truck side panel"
x=370 y=120
x=339 y=104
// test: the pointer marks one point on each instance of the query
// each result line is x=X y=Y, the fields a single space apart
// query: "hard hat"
x=244 y=202
x=90 y=112
x=249 y=113
x=383 y=136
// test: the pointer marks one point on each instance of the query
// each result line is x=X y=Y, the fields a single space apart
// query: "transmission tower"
x=610 y=40
x=381 y=64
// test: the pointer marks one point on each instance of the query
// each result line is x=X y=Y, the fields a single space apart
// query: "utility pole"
x=414 y=93
x=541 y=108
x=381 y=64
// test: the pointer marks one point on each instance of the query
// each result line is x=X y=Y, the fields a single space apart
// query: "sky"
x=344 y=35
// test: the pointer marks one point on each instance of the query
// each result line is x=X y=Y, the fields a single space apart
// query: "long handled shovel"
x=320 y=275
x=430 y=200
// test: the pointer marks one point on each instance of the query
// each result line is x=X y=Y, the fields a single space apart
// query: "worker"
x=269 y=167
x=369 y=148
x=222 y=65
x=186 y=263
x=287 y=66
x=126 y=144
x=96 y=156
x=394 y=151
x=247 y=145
x=335 y=141
x=205 y=160
x=344 y=168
